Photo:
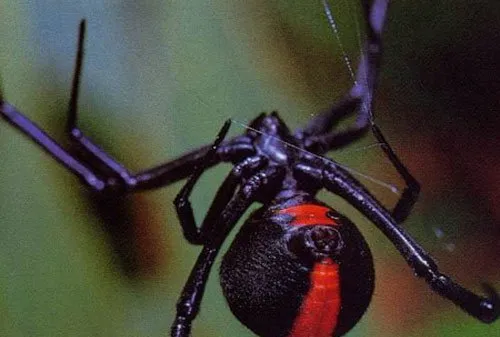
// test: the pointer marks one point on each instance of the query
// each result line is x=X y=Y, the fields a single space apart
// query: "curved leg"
x=228 y=214
x=88 y=151
x=199 y=235
x=116 y=175
x=318 y=135
x=97 y=169
x=340 y=182
x=98 y=179
x=86 y=174
x=412 y=189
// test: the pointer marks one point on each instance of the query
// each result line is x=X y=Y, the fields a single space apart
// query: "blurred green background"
x=161 y=77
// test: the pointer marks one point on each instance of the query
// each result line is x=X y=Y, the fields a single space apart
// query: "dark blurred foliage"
x=160 y=78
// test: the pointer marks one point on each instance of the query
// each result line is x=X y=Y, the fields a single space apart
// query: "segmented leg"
x=338 y=181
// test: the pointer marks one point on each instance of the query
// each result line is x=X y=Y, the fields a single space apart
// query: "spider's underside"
x=271 y=269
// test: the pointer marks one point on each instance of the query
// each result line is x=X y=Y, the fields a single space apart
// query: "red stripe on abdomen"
x=320 y=308
x=309 y=214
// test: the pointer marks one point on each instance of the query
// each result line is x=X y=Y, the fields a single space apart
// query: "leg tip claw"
x=490 y=307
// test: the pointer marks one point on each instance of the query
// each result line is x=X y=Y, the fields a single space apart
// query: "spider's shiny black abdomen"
x=265 y=282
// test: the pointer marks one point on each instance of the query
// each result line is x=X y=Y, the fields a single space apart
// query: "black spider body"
x=297 y=268
x=268 y=246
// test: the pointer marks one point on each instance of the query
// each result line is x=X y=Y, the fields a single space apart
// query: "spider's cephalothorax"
x=297 y=268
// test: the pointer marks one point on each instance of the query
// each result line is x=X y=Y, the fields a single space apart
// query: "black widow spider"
x=297 y=267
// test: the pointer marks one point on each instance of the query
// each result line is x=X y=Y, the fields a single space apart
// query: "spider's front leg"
x=238 y=191
x=116 y=177
x=338 y=181
x=223 y=215
x=92 y=165
x=199 y=235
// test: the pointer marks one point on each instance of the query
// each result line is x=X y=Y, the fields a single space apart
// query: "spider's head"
x=271 y=136
x=270 y=125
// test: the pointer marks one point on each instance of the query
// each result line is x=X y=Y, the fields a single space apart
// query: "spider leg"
x=18 y=120
x=97 y=169
x=412 y=189
x=338 y=181
x=318 y=135
x=198 y=235
x=229 y=212
x=232 y=150
x=92 y=153
x=92 y=177
x=85 y=148
x=192 y=233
